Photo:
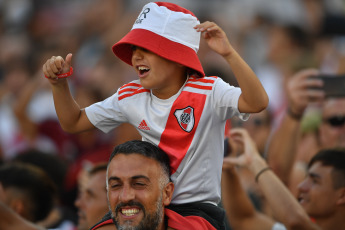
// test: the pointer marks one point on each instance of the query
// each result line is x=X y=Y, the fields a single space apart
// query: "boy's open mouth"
x=143 y=70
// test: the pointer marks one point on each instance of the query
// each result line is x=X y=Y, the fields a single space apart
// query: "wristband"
x=293 y=115
x=64 y=75
x=261 y=172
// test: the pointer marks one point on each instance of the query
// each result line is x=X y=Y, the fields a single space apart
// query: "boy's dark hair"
x=336 y=159
x=35 y=185
x=146 y=149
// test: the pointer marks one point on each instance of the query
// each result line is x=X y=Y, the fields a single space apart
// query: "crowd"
x=286 y=43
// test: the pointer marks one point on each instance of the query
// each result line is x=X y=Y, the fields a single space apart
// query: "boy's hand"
x=56 y=65
x=215 y=38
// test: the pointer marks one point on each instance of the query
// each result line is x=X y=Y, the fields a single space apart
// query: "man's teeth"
x=129 y=212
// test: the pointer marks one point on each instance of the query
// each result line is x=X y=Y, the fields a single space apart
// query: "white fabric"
x=178 y=26
x=278 y=226
x=198 y=175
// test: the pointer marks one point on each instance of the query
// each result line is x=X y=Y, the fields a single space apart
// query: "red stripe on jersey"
x=174 y=140
x=198 y=86
x=203 y=80
x=131 y=84
x=134 y=93
x=127 y=90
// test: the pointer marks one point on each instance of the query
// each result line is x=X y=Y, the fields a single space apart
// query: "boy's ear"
x=341 y=200
x=167 y=193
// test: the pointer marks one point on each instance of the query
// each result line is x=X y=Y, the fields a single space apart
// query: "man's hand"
x=302 y=89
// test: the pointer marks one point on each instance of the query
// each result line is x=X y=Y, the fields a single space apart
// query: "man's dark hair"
x=50 y=163
x=146 y=149
x=334 y=158
x=34 y=184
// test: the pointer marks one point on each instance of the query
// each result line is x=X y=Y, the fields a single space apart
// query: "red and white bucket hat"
x=167 y=30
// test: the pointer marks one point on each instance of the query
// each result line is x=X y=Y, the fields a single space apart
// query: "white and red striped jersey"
x=189 y=127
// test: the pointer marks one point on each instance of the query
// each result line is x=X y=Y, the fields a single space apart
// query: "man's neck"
x=336 y=221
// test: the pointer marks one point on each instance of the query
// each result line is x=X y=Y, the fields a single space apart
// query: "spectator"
x=325 y=181
x=289 y=151
x=62 y=215
x=10 y=220
x=139 y=189
x=92 y=200
x=28 y=190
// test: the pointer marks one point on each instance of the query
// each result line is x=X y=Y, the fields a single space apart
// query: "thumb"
x=68 y=60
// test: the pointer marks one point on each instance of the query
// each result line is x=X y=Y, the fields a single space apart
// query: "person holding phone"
x=289 y=151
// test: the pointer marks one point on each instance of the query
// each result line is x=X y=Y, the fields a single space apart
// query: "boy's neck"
x=170 y=91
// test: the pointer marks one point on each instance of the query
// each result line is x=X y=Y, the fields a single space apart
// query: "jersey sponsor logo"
x=143 y=125
x=185 y=118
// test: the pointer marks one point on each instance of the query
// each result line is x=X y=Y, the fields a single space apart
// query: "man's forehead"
x=96 y=180
x=334 y=106
x=130 y=165
x=319 y=169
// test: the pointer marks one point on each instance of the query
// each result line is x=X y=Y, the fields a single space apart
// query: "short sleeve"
x=106 y=115
x=225 y=100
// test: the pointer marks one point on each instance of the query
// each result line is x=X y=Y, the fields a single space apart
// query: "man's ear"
x=18 y=206
x=167 y=193
x=341 y=200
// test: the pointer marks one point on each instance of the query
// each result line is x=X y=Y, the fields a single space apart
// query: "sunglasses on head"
x=336 y=121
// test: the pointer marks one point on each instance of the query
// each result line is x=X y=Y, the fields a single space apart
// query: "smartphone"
x=333 y=85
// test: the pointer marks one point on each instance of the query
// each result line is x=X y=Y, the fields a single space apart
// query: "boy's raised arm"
x=72 y=118
x=254 y=97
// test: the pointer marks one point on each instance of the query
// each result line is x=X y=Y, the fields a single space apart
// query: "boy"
x=173 y=104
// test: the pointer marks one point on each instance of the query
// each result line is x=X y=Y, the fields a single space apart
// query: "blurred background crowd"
x=277 y=38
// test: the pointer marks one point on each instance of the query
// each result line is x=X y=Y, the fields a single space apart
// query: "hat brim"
x=159 y=45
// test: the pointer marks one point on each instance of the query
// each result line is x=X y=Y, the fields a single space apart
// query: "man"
x=27 y=190
x=289 y=152
x=92 y=200
x=26 y=195
x=321 y=194
x=139 y=189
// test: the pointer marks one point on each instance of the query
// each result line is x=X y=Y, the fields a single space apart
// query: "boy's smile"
x=162 y=76
x=143 y=71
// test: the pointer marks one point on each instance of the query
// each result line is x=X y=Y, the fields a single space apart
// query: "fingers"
x=57 y=65
x=207 y=28
x=303 y=88
x=230 y=162
x=53 y=66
